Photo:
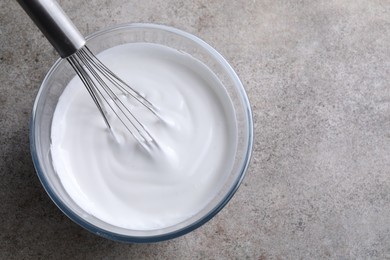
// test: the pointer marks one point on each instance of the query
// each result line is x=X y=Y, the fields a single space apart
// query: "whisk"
x=106 y=89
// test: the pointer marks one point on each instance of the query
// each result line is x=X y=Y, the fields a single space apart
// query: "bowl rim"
x=159 y=237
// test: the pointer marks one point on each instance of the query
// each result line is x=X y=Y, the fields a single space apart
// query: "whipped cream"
x=115 y=179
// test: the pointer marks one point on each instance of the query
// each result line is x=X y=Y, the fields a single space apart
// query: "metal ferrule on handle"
x=55 y=25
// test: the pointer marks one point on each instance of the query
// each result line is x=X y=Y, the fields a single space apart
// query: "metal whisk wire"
x=101 y=84
x=105 y=88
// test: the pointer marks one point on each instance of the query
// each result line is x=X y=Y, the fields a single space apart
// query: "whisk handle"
x=55 y=25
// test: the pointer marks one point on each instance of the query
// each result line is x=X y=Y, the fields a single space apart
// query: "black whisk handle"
x=55 y=25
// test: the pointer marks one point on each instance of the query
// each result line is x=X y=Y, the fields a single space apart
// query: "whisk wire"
x=99 y=81
x=118 y=82
x=87 y=83
x=106 y=89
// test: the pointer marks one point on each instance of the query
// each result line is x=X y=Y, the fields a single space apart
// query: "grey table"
x=317 y=74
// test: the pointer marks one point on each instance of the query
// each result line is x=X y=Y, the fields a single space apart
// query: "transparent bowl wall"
x=59 y=76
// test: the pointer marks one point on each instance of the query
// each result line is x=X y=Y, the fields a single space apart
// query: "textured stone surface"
x=318 y=77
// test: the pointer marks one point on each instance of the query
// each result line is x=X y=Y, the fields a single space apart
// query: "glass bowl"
x=61 y=73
